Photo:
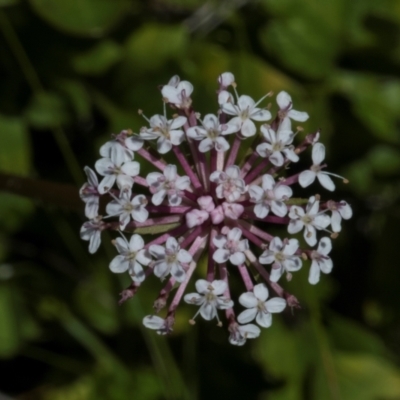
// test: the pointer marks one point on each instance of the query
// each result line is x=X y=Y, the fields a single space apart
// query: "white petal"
x=245 y=102
x=248 y=128
x=221 y=144
x=170 y=172
x=310 y=235
x=153 y=322
x=176 y=137
x=104 y=166
x=336 y=221
x=178 y=122
x=264 y=319
x=268 y=182
x=275 y=305
x=322 y=221
x=206 y=145
x=219 y=287
x=249 y=331
x=261 y=292
x=94 y=242
x=106 y=184
x=235 y=234
x=256 y=193
x=326 y=265
x=194 y=298
x=260 y=115
x=134 y=143
x=326 y=181
x=92 y=177
x=306 y=178
x=247 y=315
x=196 y=132
x=157 y=251
x=237 y=258
x=292 y=264
x=284 y=100
x=219 y=241
x=163 y=145
x=261 y=210
x=325 y=246
x=279 y=208
x=276 y=273
x=291 y=247
x=300 y=116
x=233 y=172
x=263 y=149
x=295 y=226
x=276 y=244
x=276 y=158
x=143 y=257
x=248 y=300
x=345 y=210
x=158 y=197
x=140 y=215
x=161 y=269
x=314 y=273
x=178 y=272
x=119 y=264
x=221 y=255
x=184 y=256
x=136 y=243
x=202 y=285
x=267 y=257
x=131 y=168
x=208 y=311
x=318 y=153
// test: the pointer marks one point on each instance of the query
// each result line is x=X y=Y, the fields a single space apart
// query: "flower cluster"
x=200 y=207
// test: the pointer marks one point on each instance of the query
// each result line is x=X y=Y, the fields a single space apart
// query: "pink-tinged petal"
x=158 y=197
x=325 y=246
x=176 y=137
x=318 y=153
x=131 y=168
x=276 y=274
x=143 y=257
x=245 y=102
x=177 y=122
x=219 y=241
x=221 y=144
x=153 y=178
x=136 y=243
x=261 y=210
x=163 y=145
x=134 y=143
x=336 y=221
x=153 y=322
x=174 y=199
x=206 y=145
x=264 y=149
x=276 y=158
x=185 y=86
x=248 y=128
x=291 y=247
x=256 y=193
x=292 y=264
x=235 y=234
x=276 y=244
x=284 y=100
x=194 y=298
x=345 y=210
x=279 y=208
x=174 y=81
x=221 y=256
x=267 y=257
x=232 y=210
x=94 y=242
x=208 y=311
x=275 y=305
x=119 y=264
x=161 y=269
x=295 y=226
x=219 y=287
x=106 y=184
x=310 y=235
x=170 y=172
x=233 y=172
x=237 y=258
x=326 y=265
x=196 y=217
x=217 y=215
x=268 y=182
x=171 y=94
x=260 y=115
x=264 y=319
x=184 y=256
x=104 y=166
x=248 y=300
x=322 y=221
x=300 y=116
x=306 y=178
x=247 y=315
x=261 y=292
x=157 y=251
x=202 y=286
x=178 y=272
x=314 y=274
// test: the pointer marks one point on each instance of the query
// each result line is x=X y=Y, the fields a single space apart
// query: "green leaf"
x=98 y=59
x=46 y=110
x=9 y=335
x=384 y=159
x=90 y=18
x=77 y=96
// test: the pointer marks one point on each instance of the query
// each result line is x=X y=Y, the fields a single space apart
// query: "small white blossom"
x=160 y=325
x=230 y=247
x=270 y=196
x=170 y=259
x=211 y=134
x=210 y=298
x=258 y=306
x=114 y=169
x=225 y=97
x=127 y=208
x=286 y=111
x=240 y=333
x=278 y=144
x=226 y=79
x=91 y=231
x=132 y=257
x=89 y=193
x=178 y=92
x=309 y=219
x=320 y=260
x=122 y=146
x=244 y=112
x=166 y=131
x=307 y=177
x=230 y=185
x=339 y=210
x=167 y=184
x=282 y=257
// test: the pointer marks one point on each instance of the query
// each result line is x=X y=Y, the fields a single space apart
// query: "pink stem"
x=169 y=210
x=291 y=180
x=140 y=181
x=155 y=221
x=270 y=218
x=152 y=159
x=234 y=151
x=191 y=237
x=249 y=164
x=258 y=232
x=163 y=238
x=253 y=238
x=211 y=262
x=187 y=168
x=224 y=276
x=257 y=170
x=246 y=277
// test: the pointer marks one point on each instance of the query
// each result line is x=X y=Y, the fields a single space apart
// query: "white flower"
x=132 y=257
x=258 y=307
x=226 y=79
x=230 y=185
x=240 y=333
x=114 y=169
x=230 y=247
x=339 y=210
x=122 y=147
x=170 y=259
x=127 y=208
x=166 y=131
x=277 y=143
x=320 y=260
x=178 y=93
x=282 y=257
x=269 y=197
x=89 y=194
x=286 y=108
x=244 y=112
x=225 y=97
x=91 y=231
x=309 y=219
x=169 y=184
x=209 y=298
x=161 y=325
x=211 y=134
x=307 y=177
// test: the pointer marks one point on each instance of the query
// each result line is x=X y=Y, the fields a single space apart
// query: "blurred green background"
x=72 y=72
